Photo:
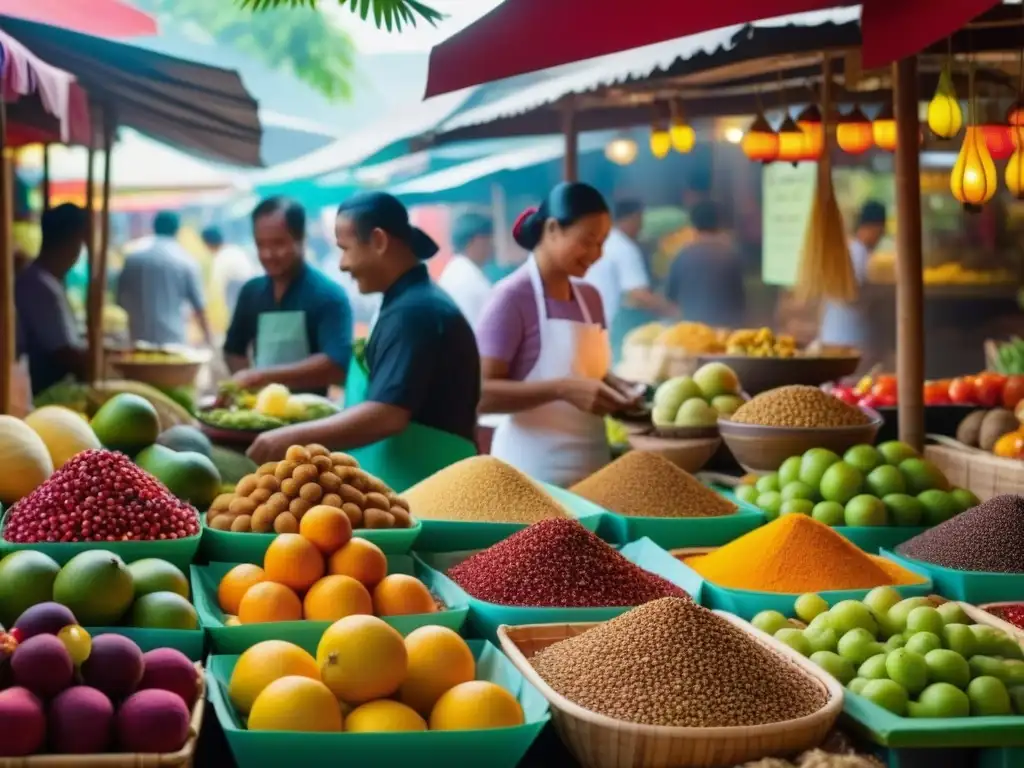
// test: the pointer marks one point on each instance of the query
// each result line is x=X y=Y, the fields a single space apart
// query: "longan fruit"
x=344 y=473
x=286 y=523
x=355 y=514
x=311 y=492
x=290 y=487
x=263 y=519
x=377 y=501
x=322 y=463
x=246 y=485
x=260 y=495
x=359 y=481
x=242 y=524
x=352 y=495
x=331 y=500
x=298 y=454
x=402 y=518
x=398 y=501
x=212 y=513
x=376 y=485
x=278 y=503
x=305 y=473
x=242 y=506
x=330 y=482
x=267 y=469
x=343 y=459
x=223 y=501
x=378 y=518
x=299 y=507
x=315 y=449
x=222 y=523
x=284 y=469
x=269 y=483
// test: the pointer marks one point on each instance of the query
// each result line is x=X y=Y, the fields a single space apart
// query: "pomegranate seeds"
x=558 y=564
x=100 y=496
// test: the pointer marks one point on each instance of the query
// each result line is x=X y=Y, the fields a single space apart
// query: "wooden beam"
x=571 y=162
x=93 y=314
x=98 y=278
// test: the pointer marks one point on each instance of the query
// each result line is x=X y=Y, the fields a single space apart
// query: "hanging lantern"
x=791 y=141
x=945 y=118
x=1015 y=173
x=1015 y=114
x=760 y=142
x=813 y=128
x=998 y=140
x=854 y=134
x=883 y=128
x=621 y=150
x=661 y=142
x=973 y=180
x=680 y=132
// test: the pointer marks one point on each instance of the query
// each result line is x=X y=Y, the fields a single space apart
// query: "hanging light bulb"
x=621 y=150
x=998 y=140
x=661 y=142
x=973 y=180
x=883 y=128
x=945 y=118
x=1015 y=173
x=791 y=141
x=760 y=142
x=810 y=122
x=854 y=134
x=680 y=132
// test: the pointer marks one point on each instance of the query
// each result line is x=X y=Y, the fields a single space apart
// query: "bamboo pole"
x=98 y=277
x=909 y=271
x=46 y=177
x=7 y=336
x=571 y=162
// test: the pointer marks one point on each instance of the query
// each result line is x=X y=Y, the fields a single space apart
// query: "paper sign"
x=787 y=194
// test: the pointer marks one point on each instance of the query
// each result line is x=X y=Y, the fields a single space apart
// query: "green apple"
x=896 y=619
x=789 y=472
x=940 y=700
x=770 y=622
x=1009 y=648
x=769 y=502
x=925 y=619
x=830 y=513
x=797 y=490
x=865 y=510
x=808 y=606
x=923 y=642
x=988 y=666
x=908 y=669
x=821 y=621
x=885 y=481
x=863 y=457
x=987 y=639
x=922 y=475
x=796 y=507
x=857 y=684
x=821 y=639
x=814 y=463
x=904 y=510
x=894 y=452
x=965 y=499
x=886 y=694
x=959 y=638
x=852 y=614
x=939 y=506
x=769 y=482
x=695 y=412
x=894 y=642
x=873 y=668
x=726 y=405
x=1013 y=672
x=746 y=493
x=841 y=669
x=673 y=393
x=858 y=645
x=1017 y=699
x=952 y=613
x=881 y=599
x=988 y=697
x=841 y=482
x=795 y=639
x=945 y=666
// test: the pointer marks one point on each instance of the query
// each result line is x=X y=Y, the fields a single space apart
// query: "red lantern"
x=813 y=128
x=791 y=141
x=854 y=133
x=999 y=139
x=883 y=129
x=760 y=142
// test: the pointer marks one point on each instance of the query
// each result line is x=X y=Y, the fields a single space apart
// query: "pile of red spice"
x=1014 y=614
x=558 y=564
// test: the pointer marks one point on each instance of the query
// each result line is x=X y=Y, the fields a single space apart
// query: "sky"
x=369 y=39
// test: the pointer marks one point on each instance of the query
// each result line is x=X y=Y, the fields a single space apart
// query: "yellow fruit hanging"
x=973 y=180
x=945 y=118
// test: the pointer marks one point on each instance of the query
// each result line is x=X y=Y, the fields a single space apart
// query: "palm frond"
x=390 y=14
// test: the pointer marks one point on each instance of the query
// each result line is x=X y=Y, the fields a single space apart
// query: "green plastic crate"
x=873 y=539
x=973 y=587
x=224 y=639
x=497 y=748
x=191 y=642
x=487 y=617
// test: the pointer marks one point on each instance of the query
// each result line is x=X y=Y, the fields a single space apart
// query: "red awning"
x=522 y=36
x=103 y=18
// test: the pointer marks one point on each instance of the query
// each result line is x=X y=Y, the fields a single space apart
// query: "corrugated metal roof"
x=639 y=63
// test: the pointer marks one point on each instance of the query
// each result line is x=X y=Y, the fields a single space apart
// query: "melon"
x=64 y=432
x=25 y=462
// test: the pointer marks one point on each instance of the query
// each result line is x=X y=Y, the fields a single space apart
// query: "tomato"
x=988 y=390
x=845 y=394
x=885 y=386
x=1013 y=392
x=961 y=391
x=936 y=393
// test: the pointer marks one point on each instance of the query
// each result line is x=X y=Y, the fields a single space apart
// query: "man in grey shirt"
x=155 y=285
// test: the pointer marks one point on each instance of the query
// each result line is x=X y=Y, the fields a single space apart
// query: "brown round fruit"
x=278 y=503
x=299 y=507
x=290 y=487
x=221 y=502
x=311 y=492
x=298 y=454
x=351 y=495
x=242 y=524
x=376 y=500
x=322 y=463
x=315 y=449
x=260 y=495
x=378 y=518
x=267 y=469
x=331 y=500
x=284 y=469
x=306 y=473
x=398 y=501
x=242 y=506
x=343 y=459
x=402 y=518
x=269 y=483
x=222 y=522
x=246 y=485
x=355 y=514
x=286 y=523
x=263 y=519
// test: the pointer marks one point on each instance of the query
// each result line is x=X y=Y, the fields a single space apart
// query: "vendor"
x=293 y=325
x=410 y=406
x=544 y=345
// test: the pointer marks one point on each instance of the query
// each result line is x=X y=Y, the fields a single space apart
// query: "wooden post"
x=98 y=278
x=92 y=312
x=909 y=271
x=7 y=336
x=571 y=163
x=46 y=177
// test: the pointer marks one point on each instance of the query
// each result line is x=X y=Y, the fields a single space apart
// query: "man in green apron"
x=410 y=404
x=293 y=325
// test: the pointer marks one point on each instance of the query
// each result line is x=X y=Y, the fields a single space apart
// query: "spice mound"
x=482 y=489
x=988 y=537
x=643 y=484
x=558 y=564
x=799 y=406
x=673 y=663
x=795 y=554
x=100 y=496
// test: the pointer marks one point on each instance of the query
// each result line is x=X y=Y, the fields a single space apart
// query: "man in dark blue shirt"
x=411 y=404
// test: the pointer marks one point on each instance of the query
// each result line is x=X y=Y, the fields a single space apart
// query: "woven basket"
x=183 y=758
x=598 y=741
x=984 y=474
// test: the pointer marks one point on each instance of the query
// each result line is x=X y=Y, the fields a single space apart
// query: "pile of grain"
x=642 y=484
x=481 y=489
x=799 y=406
x=558 y=564
x=989 y=537
x=673 y=663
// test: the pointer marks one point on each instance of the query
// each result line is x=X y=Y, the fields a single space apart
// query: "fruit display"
x=798 y=405
x=89 y=398
x=25 y=460
x=917 y=657
x=760 y=342
x=273 y=406
x=867 y=486
x=697 y=401
x=64 y=432
x=1008 y=357
x=100 y=496
x=367 y=678
x=280 y=493
x=985 y=390
x=71 y=694
x=691 y=338
x=156 y=356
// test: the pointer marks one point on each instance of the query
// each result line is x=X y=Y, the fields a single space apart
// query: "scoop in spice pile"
x=643 y=484
x=799 y=406
x=558 y=563
x=482 y=489
x=795 y=554
x=988 y=538
x=100 y=496
x=673 y=663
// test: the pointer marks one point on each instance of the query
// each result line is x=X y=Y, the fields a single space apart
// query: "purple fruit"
x=43 y=665
x=81 y=722
x=152 y=721
x=114 y=666
x=44 y=619
x=169 y=669
x=22 y=723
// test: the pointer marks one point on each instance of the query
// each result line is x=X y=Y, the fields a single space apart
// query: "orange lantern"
x=854 y=133
x=813 y=128
x=760 y=142
x=883 y=128
x=791 y=141
x=973 y=180
x=999 y=139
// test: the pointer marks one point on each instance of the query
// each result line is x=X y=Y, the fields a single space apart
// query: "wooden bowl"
x=759 y=374
x=172 y=372
x=688 y=454
x=761 y=449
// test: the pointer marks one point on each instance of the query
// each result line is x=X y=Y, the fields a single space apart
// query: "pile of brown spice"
x=482 y=489
x=643 y=484
x=671 y=662
x=799 y=406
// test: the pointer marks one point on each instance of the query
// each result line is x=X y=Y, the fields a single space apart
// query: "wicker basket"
x=598 y=741
x=183 y=758
x=984 y=474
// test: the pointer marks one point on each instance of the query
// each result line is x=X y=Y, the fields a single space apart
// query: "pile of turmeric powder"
x=796 y=554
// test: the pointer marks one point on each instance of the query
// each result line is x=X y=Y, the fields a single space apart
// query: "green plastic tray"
x=883 y=727
x=226 y=639
x=497 y=748
x=487 y=617
x=191 y=642
x=973 y=587
x=452 y=536
x=584 y=508
x=874 y=539
x=227 y=547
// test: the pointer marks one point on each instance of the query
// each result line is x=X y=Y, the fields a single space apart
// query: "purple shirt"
x=509 y=329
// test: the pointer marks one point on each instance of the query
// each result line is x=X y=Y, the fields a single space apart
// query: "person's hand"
x=594 y=396
x=249 y=378
x=270 y=445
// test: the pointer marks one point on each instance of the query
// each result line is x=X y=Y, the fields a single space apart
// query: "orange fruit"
x=476 y=705
x=327 y=527
x=438 y=661
x=269 y=601
x=293 y=561
x=362 y=560
x=362 y=658
x=400 y=595
x=295 y=703
x=335 y=597
x=235 y=584
x=383 y=716
x=264 y=663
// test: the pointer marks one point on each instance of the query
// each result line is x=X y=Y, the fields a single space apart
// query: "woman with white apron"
x=544 y=348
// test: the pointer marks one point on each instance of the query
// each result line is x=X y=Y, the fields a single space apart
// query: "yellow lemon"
x=361 y=658
x=438 y=660
x=382 y=716
x=295 y=704
x=264 y=663
x=476 y=705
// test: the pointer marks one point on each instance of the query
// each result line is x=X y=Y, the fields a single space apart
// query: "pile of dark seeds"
x=673 y=663
x=989 y=537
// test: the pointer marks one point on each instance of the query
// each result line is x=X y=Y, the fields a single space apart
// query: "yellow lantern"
x=682 y=135
x=811 y=124
x=791 y=141
x=883 y=129
x=854 y=134
x=760 y=142
x=945 y=118
x=973 y=180
x=1015 y=173
x=661 y=142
